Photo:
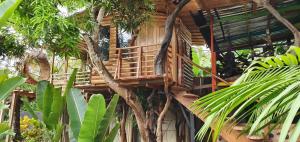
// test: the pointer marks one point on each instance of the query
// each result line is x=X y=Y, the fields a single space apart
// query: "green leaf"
x=5 y=130
x=56 y=107
x=113 y=133
x=289 y=119
x=58 y=132
x=296 y=133
x=7 y=8
x=76 y=106
x=28 y=108
x=40 y=91
x=47 y=103
x=104 y=125
x=9 y=85
x=92 y=118
x=70 y=82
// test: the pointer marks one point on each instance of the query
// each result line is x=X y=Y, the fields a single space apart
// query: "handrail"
x=196 y=65
x=134 y=47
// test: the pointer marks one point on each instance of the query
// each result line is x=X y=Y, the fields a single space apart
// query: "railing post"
x=120 y=63
x=139 y=66
x=179 y=70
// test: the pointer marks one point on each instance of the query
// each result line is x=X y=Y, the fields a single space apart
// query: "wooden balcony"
x=134 y=66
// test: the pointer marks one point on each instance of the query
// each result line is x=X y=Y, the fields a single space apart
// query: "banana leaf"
x=108 y=117
x=7 y=8
x=76 y=106
x=92 y=118
x=9 y=85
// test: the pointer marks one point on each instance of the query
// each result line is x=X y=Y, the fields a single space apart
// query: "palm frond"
x=266 y=95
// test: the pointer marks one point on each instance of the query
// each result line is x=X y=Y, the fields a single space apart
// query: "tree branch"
x=161 y=57
x=266 y=4
x=159 y=134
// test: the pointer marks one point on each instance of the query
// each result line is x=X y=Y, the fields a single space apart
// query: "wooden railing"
x=136 y=62
x=82 y=78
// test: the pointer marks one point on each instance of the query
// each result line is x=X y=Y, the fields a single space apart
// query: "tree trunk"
x=16 y=119
x=127 y=94
x=123 y=123
x=276 y=14
x=159 y=133
x=44 y=65
x=151 y=117
x=161 y=56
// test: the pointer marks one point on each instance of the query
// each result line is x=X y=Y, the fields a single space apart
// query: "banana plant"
x=267 y=95
x=51 y=102
x=7 y=8
x=90 y=122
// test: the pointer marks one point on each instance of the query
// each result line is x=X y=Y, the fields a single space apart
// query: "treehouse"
x=133 y=65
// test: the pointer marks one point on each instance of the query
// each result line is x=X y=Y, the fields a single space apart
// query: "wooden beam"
x=229 y=134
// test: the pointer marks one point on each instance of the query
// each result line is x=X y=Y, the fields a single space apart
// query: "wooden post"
x=2 y=112
x=52 y=67
x=139 y=66
x=13 y=111
x=213 y=55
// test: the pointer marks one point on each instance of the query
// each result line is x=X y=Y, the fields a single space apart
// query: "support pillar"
x=213 y=55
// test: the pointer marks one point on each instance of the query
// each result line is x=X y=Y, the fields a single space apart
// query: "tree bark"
x=266 y=4
x=159 y=133
x=127 y=94
x=44 y=65
x=16 y=119
x=123 y=123
x=161 y=56
x=151 y=117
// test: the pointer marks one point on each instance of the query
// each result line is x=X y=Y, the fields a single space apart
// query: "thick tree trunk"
x=159 y=133
x=44 y=65
x=151 y=116
x=161 y=57
x=123 y=123
x=127 y=94
x=266 y=4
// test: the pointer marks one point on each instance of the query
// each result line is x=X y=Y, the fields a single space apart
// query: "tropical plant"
x=266 y=96
x=7 y=85
x=7 y=8
x=51 y=102
x=32 y=130
x=90 y=122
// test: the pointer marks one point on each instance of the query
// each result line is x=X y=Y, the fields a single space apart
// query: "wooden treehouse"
x=224 y=25
x=134 y=65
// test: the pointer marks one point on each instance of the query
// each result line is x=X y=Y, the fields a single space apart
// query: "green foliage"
x=32 y=130
x=91 y=124
x=266 y=95
x=92 y=118
x=76 y=108
x=7 y=8
x=42 y=25
x=202 y=59
x=128 y=15
x=7 y=86
x=10 y=46
x=5 y=130
x=50 y=102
